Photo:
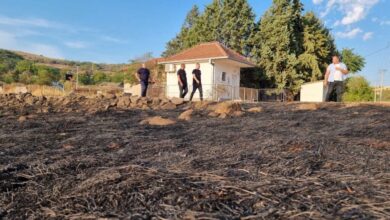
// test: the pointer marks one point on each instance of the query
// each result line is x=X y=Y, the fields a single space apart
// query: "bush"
x=85 y=79
x=99 y=77
x=358 y=90
x=9 y=77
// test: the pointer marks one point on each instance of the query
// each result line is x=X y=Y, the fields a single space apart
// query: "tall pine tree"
x=236 y=25
x=230 y=22
x=180 y=42
x=207 y=27
x=318 y=48
x=280 y=39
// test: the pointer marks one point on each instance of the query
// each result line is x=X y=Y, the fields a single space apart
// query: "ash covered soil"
x=61 y=159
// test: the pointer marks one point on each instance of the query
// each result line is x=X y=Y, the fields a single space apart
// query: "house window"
x=223 y=76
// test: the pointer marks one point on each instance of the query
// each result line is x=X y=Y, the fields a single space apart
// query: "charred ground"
x=283 y=162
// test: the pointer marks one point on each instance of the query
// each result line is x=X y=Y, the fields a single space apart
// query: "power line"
x=380 y=50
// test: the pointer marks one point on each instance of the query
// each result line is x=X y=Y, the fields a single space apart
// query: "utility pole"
x=77 y=77
x=382 y=73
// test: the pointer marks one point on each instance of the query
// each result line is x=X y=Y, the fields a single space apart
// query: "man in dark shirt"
x=197 y=82
x=182 y=79
x=143 y=75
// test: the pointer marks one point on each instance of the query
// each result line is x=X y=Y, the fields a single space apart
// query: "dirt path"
x=329 y=163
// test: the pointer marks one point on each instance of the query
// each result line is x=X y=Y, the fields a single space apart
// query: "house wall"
x=219 y=89
x=172 y=88
x=230 y=88
x=313 y=92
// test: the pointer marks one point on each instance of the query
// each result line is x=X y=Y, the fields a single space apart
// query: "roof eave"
x=192 y=60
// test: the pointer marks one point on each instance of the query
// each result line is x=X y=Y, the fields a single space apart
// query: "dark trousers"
x=196 y=86
x=336 y=86
x=183 y=90
x=144 y=88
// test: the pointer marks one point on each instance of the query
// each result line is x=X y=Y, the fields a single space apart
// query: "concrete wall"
x=135 y=90
x=313 y=92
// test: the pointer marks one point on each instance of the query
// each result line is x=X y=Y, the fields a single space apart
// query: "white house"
x=220 y=68
x=313 y=92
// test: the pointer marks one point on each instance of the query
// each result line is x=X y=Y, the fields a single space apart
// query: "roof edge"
x=189 y=60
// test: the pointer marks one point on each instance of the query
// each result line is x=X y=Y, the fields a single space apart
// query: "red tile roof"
x=210 y=50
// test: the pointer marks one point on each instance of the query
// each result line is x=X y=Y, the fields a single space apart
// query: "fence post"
x=231 y=92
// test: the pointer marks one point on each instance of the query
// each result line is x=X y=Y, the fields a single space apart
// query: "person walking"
x=197 y=82
x=143 y=76
x=182 y=80
x=335 y=75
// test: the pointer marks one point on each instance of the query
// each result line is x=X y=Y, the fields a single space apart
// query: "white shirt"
x=336 y=75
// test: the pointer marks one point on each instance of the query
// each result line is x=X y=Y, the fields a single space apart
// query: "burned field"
x=286 y=161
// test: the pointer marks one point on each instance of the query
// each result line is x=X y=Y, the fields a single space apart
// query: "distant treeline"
x=43 y=71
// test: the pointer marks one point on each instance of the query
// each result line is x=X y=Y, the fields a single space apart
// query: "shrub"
x=357 y=90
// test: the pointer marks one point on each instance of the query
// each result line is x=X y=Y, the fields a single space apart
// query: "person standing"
x=182 y=80
x=334 y=78
x=143 y=75
x=197 y=82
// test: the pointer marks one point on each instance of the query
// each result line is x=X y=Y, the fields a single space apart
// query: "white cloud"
x=36 y=22
x=381 y=22
x=12 y=42
x=367 y=36
x=40 y=23
x=113 y=40
x=76 y=44
x=352 y=10
x=317 y=2
x=349 y=34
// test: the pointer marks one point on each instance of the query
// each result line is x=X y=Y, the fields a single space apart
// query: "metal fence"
x=211 y=92
x=219 y=92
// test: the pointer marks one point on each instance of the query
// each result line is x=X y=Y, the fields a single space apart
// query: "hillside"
x=65 y=64
x=28 y=68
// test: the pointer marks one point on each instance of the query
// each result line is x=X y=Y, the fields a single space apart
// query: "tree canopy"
x=354 y=62
x=289 y=47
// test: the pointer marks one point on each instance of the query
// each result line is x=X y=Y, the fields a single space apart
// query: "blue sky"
x=114 y=31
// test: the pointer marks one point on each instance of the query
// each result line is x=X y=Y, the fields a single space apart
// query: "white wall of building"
x=213 y=85
x=313 y=92
x=172 y=87
x=230 y=88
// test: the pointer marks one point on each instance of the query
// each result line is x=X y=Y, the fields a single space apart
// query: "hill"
x=28 y=68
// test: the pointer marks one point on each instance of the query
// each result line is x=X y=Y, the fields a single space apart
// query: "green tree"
x=26 y=78
x=46 y=75
x=117 y=77
x=9 y=77
x=180 y=42
x=86 y=78
x=207 y=26
x=230 y=22
x=358 y=90
x=99 y=77
x=25 y=66
x=278 y=51
x=318 y=45
x=354 y=62
x=236 y=22
x=8 y=61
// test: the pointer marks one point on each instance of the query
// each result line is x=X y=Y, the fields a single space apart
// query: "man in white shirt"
x=335 y=75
